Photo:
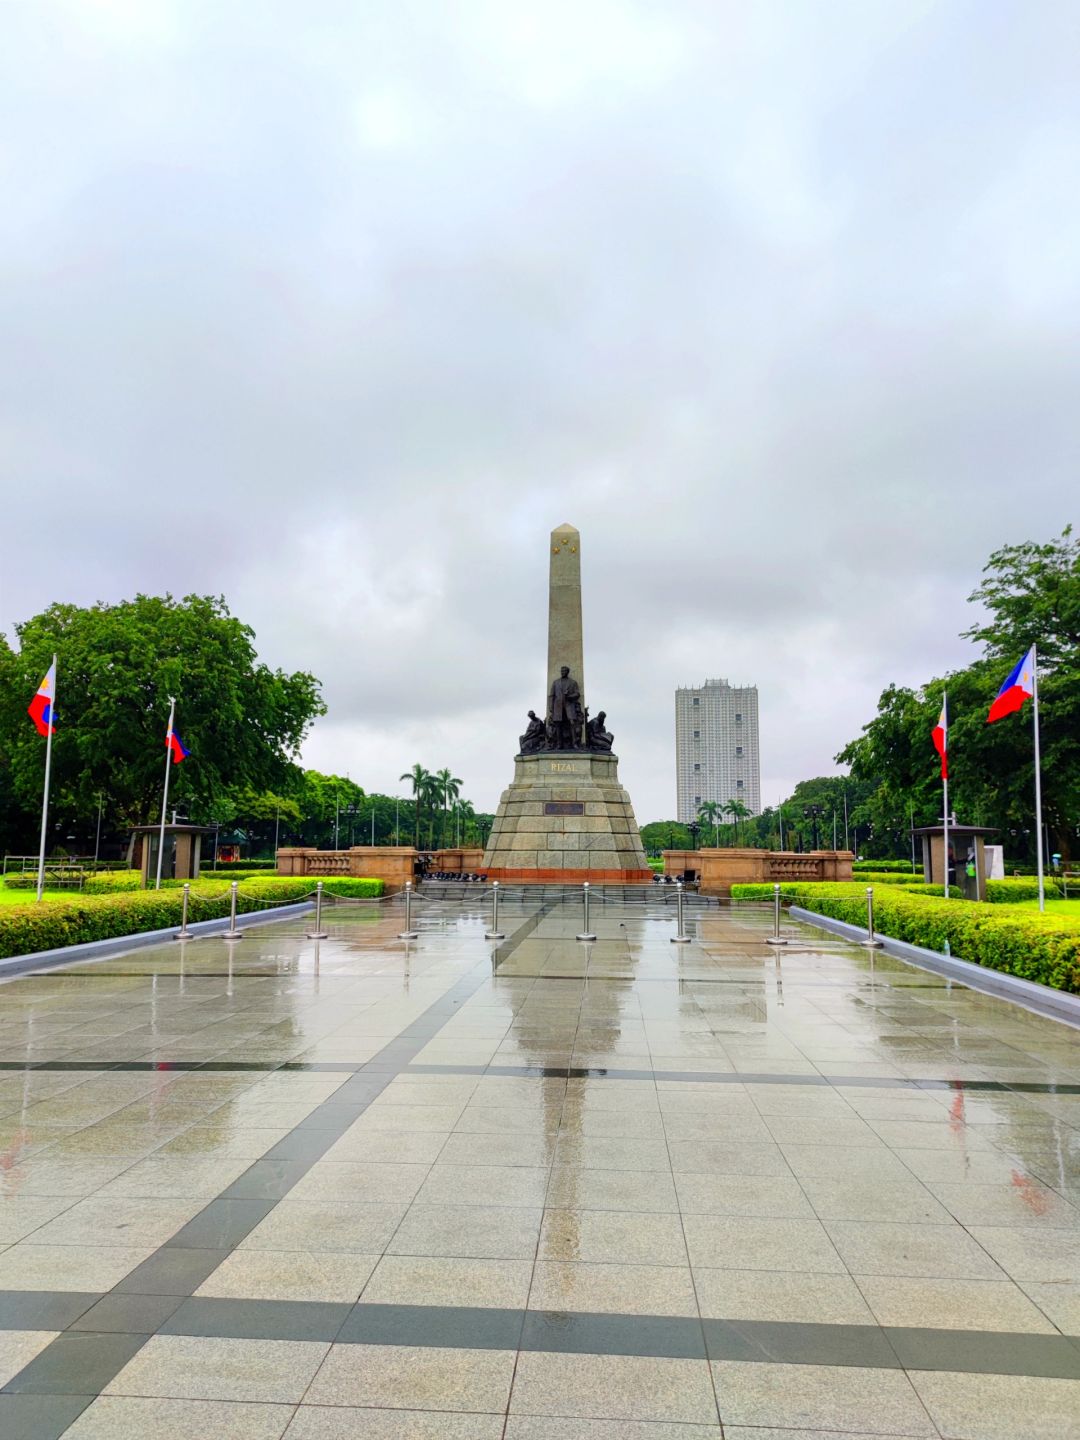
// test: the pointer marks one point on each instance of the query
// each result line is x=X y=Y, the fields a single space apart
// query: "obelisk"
x=565 y=642
x=564 y=818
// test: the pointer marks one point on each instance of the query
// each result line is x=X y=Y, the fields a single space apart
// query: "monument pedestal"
x=566 y=819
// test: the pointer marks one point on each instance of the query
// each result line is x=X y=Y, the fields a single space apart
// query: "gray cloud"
x=340 y=312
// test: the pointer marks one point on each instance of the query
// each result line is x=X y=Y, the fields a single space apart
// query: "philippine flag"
x=177 y=746
x=1020 y=686
x=41 y=707
x=940 y=737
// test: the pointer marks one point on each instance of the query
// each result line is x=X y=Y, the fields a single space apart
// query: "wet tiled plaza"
x=459 y=1189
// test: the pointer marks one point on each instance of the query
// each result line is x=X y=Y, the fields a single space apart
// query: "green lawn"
x=27 y=897
x=1062 y=908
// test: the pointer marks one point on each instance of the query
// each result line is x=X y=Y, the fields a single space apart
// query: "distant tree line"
x=243 y=723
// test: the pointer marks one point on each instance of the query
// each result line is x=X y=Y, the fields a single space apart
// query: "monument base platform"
x=571 y=877
x=563 y=820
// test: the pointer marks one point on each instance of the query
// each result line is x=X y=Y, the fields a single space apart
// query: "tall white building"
x=716 y=747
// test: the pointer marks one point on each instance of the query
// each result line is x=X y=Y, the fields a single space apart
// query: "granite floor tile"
x=441 y=1280
x=122 y=1417
x=1000 y=1407
x=515 y=1185
x=614 y=1387
x=499 y=1149
x=841 y=1197
x=743 y=1243
x=18 y=1348
x=253 y=1274
x=319 y=1225
x=118 y=1220
x=640 y=1191
x=613 y=1289
x=1059 y=1300
x=719 y=1157
x=359 y=1182
x=819 y=1397
x=1025 y=1252
x=952 y=1304
x=27 y=1266
x=781 y=1295
x=322 y=1422
x=764 y=1197
x=828 y=1161
x=480 y=1232
x=381 y=1147
x=622 y=1237
x=1023 y=1202
x=76 y=1363
x=935 y=1251
x=187 y=1367
x=532 y=1427
x=407 y=1378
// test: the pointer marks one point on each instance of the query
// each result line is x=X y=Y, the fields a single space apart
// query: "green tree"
x=445 y=788
x=738 y=811
x=117 y=666
x=420 y=779
x=710 y=811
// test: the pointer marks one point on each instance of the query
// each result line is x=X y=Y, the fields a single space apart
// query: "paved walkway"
x=545 y=1191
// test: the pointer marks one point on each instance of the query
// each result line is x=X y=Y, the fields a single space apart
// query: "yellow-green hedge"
x=1038 y=947
x=25 y=929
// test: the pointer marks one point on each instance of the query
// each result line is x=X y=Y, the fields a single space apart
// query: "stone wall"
x=394 y=864
x=717 y=870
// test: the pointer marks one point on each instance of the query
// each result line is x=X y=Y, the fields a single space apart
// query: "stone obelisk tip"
x=565 y=643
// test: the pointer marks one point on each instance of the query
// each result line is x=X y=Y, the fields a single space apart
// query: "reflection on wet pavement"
x=553 y=1189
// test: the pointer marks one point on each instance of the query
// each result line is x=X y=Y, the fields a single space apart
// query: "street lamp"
x=694 y=829
x=350 y=811
x=813 y=814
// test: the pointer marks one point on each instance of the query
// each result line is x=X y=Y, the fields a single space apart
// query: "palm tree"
x=445 y=787
x=421 y=788
x=738 y=811
x=465 y=815
x=710 y=812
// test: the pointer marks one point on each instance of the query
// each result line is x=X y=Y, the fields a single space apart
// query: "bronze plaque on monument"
x=564 y=807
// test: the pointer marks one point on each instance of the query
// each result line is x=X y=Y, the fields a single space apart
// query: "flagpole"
x=165 y=793
x=48 y=772
x=1038 y=776
x=945 y=787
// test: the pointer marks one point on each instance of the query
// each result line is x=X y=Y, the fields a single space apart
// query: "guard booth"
x=180 y=857
x=966 y=860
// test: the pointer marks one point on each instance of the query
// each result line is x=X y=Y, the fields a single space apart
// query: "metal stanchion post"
x=184 y=933
x=494 y=933
x=776 y=938
x=586 y=934
x=232 y=933
x=408 y=933
x=680 y=937
x=318 y=933
x=871 y=942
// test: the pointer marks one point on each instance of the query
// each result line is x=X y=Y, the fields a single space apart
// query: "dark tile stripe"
x=394 y=1065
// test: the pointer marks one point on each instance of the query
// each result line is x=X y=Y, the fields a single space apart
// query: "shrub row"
x=903 y=866
x=25 y=929
x=1045 y=948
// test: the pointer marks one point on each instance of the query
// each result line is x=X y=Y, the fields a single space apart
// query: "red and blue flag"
x=40 y=708
x=174 y=744
x=1019 y=686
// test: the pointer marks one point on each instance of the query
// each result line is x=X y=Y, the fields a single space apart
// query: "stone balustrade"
x=717 y=870
x=393 y=864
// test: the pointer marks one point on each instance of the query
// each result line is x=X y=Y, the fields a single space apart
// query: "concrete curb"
x=1054 y=1004
x=119 y=944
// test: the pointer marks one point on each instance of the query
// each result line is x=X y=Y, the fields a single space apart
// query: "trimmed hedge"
x=880 y=866
x=1044 y=948
x=112 y=882
x=25 y=929
x=889 y=877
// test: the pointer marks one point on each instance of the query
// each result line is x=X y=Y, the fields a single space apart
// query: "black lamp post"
x=694 y=829
x=813 y=813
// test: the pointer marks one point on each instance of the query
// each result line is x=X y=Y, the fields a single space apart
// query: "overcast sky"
x=338 y=308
